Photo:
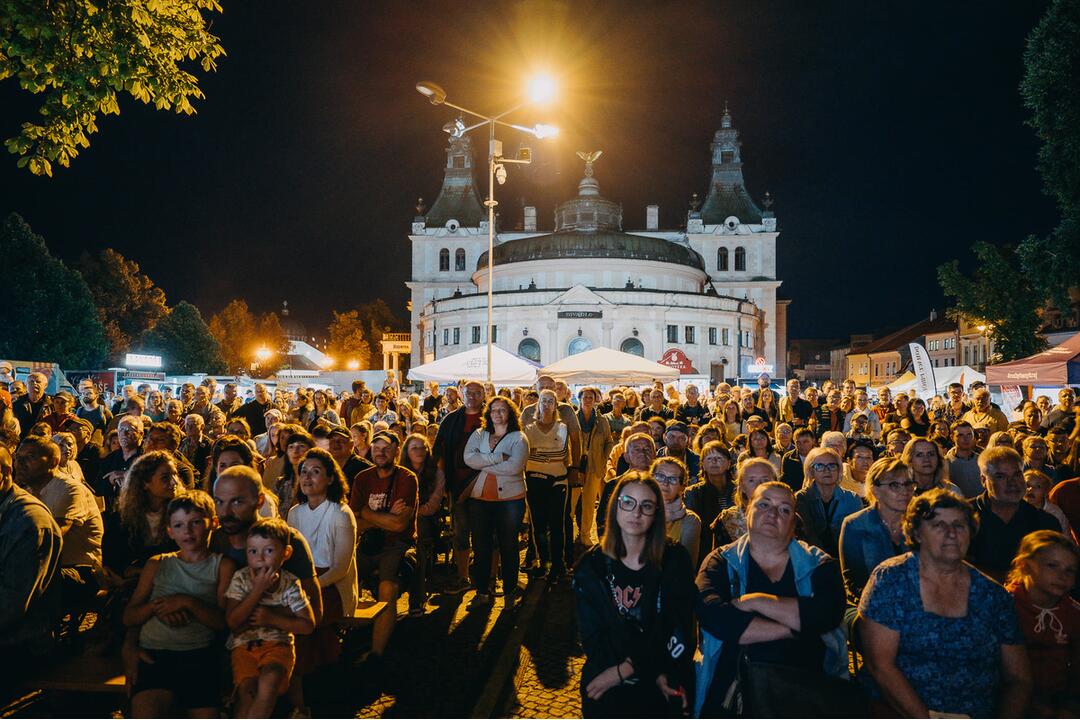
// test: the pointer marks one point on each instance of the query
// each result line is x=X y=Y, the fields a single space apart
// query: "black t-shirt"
x=629 y=590
x=802 y=409
x=99 y=417
x=354 y=466
x=254 y=413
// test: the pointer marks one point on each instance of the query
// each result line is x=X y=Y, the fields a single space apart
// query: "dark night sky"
x=890 y=134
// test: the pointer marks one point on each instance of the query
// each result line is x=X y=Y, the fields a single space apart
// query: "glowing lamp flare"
x=264 y=353
x=541 y=88
x=353 y=365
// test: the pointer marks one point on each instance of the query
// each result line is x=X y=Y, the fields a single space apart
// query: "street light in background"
x=263 y=354
x=541 y=88
x=353 y=365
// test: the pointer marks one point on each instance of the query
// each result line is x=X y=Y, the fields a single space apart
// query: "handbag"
x=762 y=689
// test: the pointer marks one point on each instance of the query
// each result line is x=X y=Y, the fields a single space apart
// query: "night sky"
x=891 y=136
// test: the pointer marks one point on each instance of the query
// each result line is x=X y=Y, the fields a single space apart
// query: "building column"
x=385 y=361
x=607 y=325
x=553 y=338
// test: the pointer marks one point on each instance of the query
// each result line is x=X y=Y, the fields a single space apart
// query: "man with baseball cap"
x=676 y=445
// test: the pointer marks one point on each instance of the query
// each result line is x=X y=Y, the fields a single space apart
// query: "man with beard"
x=91 y=410
x=384 y=500
x=340 y=446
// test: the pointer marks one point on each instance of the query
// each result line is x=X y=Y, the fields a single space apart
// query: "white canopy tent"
x=943 y=376
x=605 y=366
x=507 y=369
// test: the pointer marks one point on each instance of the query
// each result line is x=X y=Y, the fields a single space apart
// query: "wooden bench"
x=80 y=674
x=366 y=613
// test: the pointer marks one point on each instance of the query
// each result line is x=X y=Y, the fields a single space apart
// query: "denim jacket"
x=864 y=543
x=804 y=560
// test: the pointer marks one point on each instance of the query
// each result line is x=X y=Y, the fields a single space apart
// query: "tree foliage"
x=1051 y=91
x=348 y=339
x=999 y=295
x=377 y=319
x=271 y=336
x=185 y=342
x=128 y=302
x=81 y=55
x=49 y=314
x=234 y=330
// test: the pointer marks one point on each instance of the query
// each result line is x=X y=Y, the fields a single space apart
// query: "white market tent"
x=508 y=369
x=605 y=366
x=943 y=376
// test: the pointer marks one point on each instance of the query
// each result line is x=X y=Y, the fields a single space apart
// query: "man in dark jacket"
x=791 y=472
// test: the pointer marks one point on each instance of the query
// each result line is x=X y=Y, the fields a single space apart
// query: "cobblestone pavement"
x=546 y=683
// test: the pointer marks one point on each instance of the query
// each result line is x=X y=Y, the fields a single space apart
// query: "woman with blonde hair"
x=730 y=524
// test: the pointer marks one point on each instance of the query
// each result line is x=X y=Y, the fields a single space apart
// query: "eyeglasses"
x=627 y=504
x=667 y=479
x=822 y=467
x=898 y=486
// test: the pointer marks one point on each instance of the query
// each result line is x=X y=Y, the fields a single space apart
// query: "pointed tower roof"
x=458 y=198
x=727 y=191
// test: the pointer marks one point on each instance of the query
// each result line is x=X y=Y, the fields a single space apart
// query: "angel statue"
x=589 y=158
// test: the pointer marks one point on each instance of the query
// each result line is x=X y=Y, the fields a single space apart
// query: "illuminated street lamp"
x=540 y=89
x=327 y=362
x=353 y=364
x=263 y=354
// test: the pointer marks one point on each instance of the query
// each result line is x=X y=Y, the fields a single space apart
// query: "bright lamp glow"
x=354 y=365
x=327 y=361
x=542 y=88
x=545 y=131
x=264 y=353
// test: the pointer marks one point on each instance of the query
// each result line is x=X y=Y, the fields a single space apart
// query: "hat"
x=677 y=426
x=65 y=396
x=755 y=418
x=340 y=432
x=387 y=437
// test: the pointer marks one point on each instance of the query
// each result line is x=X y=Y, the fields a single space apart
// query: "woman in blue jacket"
x=822 y=504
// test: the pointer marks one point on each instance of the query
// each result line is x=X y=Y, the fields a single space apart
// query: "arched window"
x=529 y=349
x=740 y=259
x=459 y=259
x=722 y=259
x=633 y=346
x=444 y=260
x=578 y=345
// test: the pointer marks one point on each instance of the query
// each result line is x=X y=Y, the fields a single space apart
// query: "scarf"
x=675 y=510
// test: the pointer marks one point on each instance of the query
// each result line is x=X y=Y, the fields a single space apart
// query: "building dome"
x=290 y=326
x=592 y=244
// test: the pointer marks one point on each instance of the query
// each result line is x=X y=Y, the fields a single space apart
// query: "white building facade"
x=703 y=298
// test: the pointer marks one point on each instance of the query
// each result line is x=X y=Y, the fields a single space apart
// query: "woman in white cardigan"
x=499 y=450
x=322 y=515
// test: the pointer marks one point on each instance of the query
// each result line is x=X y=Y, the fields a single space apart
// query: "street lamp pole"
x=540 y=92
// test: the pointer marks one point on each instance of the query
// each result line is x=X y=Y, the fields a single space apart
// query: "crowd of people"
x=731 y=551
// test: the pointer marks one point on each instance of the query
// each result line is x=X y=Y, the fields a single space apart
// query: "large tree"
x=999 y=295
x=49 y=314
x=128 y=302
x=271 y=336
x=377 y=319
x=185 y=342
x=81 y=55
x=1051 y=91
x=349 y=340
x=234 y=330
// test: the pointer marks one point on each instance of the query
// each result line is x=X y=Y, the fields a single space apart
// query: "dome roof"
x=596 y=244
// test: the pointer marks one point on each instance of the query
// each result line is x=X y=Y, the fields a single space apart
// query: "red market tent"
x=1060 y=365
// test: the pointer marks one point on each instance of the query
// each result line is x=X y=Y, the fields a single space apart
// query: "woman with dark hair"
x=760 y=445
x=498 y=450
x=136 y=532
x=633 y=594
x=918 y=422
x=938 y=635
x=705 y=435
x=731 y=419
x=323 y=516
x=229 y=451
x=285 y=486
x=324 y=409
x=927 y=464
x=768 y=598
x=155 y=406
x=431 y=486
x=274 y=464
x=683 y=525
x=714 y=493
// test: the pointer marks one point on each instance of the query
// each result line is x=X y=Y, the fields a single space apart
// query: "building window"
x=688 y=333
x=446 y=336
x=725 y=336
x=444 y=260
x=529 y=349
x=727 y=157
x=457 y=336
x=633 y=346
x=578 y=345
x=459 y=259
x=712 y=336
x=740 y=259
x=494 y=333
x=673 y=333
x=475 y=334
x=458 y=161
x=722 y=259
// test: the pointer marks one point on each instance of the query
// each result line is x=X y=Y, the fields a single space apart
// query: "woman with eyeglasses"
x=822 y=503
x=768 y=598
x=875 y=534
x=634 y=593
x=715 y=493
x=683 y=525
x=938 y=635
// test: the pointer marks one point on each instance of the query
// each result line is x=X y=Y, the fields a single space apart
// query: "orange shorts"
x=249 y=660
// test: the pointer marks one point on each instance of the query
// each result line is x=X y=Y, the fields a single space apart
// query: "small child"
x=177 y=606
x=1042 y=575
x=265 y=606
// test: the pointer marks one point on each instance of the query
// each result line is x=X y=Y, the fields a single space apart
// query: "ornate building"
x=702 y=298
